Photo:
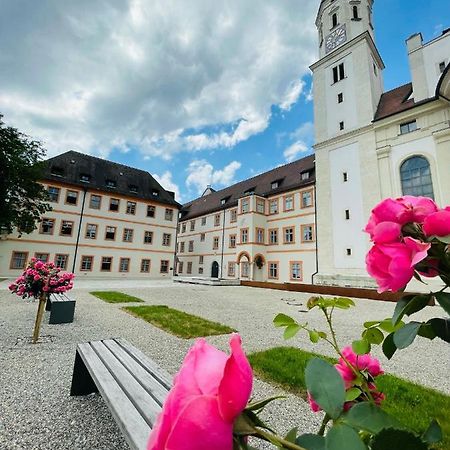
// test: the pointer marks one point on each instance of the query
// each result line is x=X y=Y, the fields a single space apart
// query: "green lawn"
x=414 y=405
x=177 y=322
x=115 y=297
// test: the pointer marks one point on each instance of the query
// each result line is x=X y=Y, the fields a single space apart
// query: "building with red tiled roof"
x=372 y=144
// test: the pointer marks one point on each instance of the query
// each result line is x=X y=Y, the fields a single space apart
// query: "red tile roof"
x=289 y=177
x=395 y=101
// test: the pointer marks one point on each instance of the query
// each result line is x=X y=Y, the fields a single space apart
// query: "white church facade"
x=372 y=144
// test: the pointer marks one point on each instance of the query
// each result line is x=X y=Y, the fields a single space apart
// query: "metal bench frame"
x=132 y=385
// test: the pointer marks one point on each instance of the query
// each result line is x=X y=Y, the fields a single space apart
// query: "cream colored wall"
x=281 y=253
x=99 y=247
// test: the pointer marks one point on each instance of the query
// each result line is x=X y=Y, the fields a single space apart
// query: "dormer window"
x=155 y=193
x=250 y=191
x=305 y=175
x=57 y=171
x=133 y=188
x=224 y=200
x=84 y=178
x=275 y=184
x=111 y=183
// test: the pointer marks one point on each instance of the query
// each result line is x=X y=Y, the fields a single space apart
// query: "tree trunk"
x=40 y=313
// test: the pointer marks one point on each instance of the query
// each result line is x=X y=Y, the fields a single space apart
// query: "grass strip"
x=176 y=322
x=414 y=405
x=115 y=297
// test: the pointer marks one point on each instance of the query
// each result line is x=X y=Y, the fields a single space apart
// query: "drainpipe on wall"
x=79 y=230
x=223 y=243
x=315 y=234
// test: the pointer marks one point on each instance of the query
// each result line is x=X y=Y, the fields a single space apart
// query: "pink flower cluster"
x=209 y=392
x=394 y=255
x=41 y=277
x=366 y=365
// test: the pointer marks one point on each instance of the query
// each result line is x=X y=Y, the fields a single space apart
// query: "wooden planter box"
x=61 y=307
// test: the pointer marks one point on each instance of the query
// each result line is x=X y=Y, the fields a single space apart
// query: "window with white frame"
x=86 y=263
x=273 y=206
x=232 y=241
x=110 y=233
x=289 y=235
x=307 y=233
x=273 y=236
x=91 y=231
x=244 y=235
x=289 y=202
x=106 y=264
x=233 y=215
x=260 y=235
x=164 y=267
x=296 y=270
x=273 y=270
x=168 y=215
x=306 y=199
x=245 y=205
x=148 y=237
x=260 y=206
x=166 y=239
x=191 y=246
x=145 y=265
x=124 y=264
x=95 y=201
x=53 y=193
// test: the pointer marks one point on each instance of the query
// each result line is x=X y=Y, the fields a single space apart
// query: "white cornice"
x=343 y=137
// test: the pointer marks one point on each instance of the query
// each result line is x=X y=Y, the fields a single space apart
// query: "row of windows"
x=19 y=260
x=307 y=235
x=273 y=269
x=92 y=231
x=306 y=201
x=95 y=202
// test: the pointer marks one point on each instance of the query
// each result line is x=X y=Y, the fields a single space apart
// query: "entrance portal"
x=215 y=270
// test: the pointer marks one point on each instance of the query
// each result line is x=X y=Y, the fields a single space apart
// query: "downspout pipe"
x=175 y=265
x=79 y=230
x=315 y=235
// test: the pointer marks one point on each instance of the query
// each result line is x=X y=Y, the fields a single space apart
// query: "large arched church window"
x=415 y=176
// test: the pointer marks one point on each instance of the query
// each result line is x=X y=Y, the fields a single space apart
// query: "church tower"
x=347 y=88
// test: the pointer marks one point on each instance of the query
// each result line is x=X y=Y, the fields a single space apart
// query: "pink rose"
x=362 y=362
x=209 y=392
x=392 y=265
x=398 y=211
x=438 y=223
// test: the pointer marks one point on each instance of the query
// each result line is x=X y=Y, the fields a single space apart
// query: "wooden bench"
x=61 y=307
x=132 y=385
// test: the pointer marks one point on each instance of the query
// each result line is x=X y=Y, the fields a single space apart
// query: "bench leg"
x=82 y=382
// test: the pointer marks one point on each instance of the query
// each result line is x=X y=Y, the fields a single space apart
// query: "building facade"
x=372 y=144
x=107 y=220
x=261 y=229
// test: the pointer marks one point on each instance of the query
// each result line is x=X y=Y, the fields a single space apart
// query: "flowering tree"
x=207 y=407
x=39 y=280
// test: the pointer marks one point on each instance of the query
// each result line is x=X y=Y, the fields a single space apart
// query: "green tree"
x=22 y=198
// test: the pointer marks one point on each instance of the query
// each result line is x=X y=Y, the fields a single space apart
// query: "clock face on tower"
x=336 y=38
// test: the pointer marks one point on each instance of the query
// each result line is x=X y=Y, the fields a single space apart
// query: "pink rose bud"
x=209 y=392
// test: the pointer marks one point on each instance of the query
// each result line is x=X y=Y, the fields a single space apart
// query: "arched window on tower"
x=334 y=20
x=415 y=175
x=355 y=12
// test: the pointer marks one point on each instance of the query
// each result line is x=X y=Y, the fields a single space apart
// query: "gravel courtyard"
x=36 y=411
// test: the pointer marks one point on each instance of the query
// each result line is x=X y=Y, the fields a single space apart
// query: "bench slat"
x=160 y=374
x=142 y=375
x=147 y=406
x=128 y=418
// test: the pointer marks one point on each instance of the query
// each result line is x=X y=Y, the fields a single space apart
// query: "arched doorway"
x=215 y=270
x=243 y=261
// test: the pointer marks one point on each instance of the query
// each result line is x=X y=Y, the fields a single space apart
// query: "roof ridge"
x=251 y=178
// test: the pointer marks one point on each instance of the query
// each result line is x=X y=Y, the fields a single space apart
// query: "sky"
x=195 y=92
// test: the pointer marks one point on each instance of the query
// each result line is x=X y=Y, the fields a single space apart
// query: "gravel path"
x=36 y=411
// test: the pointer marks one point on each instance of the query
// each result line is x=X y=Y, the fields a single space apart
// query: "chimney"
x=417 y=67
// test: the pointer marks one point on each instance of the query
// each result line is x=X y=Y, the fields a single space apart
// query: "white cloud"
x=202 y=173
x=294 y=150
x=163 y=76
x=165 y=180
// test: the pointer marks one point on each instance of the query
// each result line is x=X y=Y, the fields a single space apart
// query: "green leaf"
x=256 y=406
x=389 y=347
x=406 y=335
x=444 y=239
x=352 y=394
x=342 y=437
x=343 y=302
x=386 y=325
x=373 y=336
x=322 y=334
x=314 y=336
x=409 y=305
x=426 y=331
x=433 y=433
x=282 y=320
x=311 y=442
x=326 y=386
x=291 y=331
x=441 y=327
x=371 y=323
x=361 y=347
x=443 y=299
x=369 y=417
x=292 y=435
x=397 y=439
